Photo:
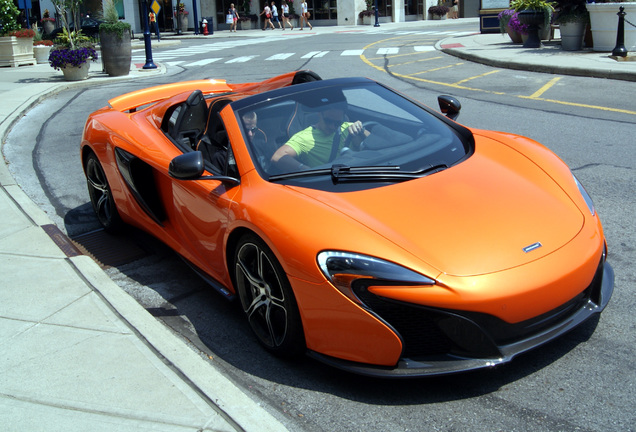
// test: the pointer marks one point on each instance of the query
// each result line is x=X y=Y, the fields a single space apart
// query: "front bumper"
x=467 y=342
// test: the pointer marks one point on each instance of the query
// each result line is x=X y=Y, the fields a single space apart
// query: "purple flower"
x=515 y=25
x=60 y=58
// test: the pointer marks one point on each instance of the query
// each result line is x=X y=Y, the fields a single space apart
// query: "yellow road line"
x=546 y=87
x=457 y=86
x=477 y=76
x=435 y=69
x=414 y=61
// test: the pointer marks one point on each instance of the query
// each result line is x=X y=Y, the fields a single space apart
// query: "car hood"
x=486 y=214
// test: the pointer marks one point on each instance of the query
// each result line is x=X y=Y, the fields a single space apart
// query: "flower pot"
x=572 y=35
x=368 y=19
x=41 y=53
x=533 y=19
x=247 y=25
x=515 y=36
x=183 y=22
x=116 y=52
x=76 y=73
x=604 y=23
x=48 y=27
x=16 y=51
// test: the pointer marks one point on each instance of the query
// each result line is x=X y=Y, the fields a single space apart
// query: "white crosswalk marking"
x=280 y=56
x=357 y=52
x=241 y=59
x=387 y=51
x=315 y=54
x=423 y=48
x=204 y=62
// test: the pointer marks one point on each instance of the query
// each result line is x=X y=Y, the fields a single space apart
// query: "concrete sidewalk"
x=76 y=352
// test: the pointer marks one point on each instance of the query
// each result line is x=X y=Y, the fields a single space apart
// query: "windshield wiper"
x=340 y=172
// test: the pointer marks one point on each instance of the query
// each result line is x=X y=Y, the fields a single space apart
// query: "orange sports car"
x=353 y=223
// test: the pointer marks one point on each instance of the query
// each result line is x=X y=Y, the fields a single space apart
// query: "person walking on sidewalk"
x=455 y=10
x=268 y=17
x=275 y=15
x=235 y=16
x=304 y=15
x=154 y=24
x=285 y=11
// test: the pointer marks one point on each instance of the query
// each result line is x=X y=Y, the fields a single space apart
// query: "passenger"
x=313 y=146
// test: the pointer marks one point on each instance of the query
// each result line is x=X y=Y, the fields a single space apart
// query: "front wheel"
x=267 y=298
x=100 y=194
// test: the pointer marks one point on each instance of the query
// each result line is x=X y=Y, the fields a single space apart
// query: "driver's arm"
x=285 y=159
x=358 y=133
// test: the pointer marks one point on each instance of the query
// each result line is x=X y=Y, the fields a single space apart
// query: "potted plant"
x=536 y=14
x=604 y=24
x=16 y=44
x=114 y=41
x=73 y=52
x=41 y=48
x=368 y=15
x=182 y=17
x=438 y=12
x=509 y=24
x=247 y=21
x=572 y=18
x=48 y=23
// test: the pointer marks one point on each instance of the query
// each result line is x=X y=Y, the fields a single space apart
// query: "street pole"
x=149 y=63
x=377 y=14
x=195 y=14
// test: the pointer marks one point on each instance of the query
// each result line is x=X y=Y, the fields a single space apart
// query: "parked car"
x=89 y=27
x=415 y=246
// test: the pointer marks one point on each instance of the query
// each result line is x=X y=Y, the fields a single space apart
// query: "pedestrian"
x=304 y=15
x=268 y=17
x=154 y=24
x=235 y=16
x=275 y=15
x=285 y=11
x=455 y=10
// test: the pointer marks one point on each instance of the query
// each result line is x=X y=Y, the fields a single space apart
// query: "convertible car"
x=412 y=246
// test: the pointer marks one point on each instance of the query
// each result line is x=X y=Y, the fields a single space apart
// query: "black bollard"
x=619 y=49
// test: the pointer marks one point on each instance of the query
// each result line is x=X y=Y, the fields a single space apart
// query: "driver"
x=312 y=146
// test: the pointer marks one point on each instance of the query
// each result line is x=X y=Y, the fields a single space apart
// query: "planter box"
x=572 y=34
x=41 y=53
x=604 y=22
x=246 y=25
x=368 y=20
x=16 y=51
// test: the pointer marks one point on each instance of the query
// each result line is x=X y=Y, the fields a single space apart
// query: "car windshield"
x=353 y=132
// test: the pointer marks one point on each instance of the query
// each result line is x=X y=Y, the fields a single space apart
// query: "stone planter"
x=247 y=25
x=438 y=17
x=604 y=23
x=41 y=53
x=572 y=35
x=76 y=73
x=115 y=52
x=48 y=27
x=514 y=35
x=15 y=51
x=183 y=23
x=368 y=19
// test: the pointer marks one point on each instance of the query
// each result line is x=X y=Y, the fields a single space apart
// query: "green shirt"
x=313 y=146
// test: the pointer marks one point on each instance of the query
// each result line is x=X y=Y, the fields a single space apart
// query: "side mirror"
x=188 y=166
x=449 y=105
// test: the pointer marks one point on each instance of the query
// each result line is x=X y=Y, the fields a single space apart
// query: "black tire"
x=267 y=298
x=101 y=196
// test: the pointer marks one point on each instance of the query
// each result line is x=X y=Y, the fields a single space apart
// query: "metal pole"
x=377 y=14
x=149 y=63
x=196 y=17
x=619 y=49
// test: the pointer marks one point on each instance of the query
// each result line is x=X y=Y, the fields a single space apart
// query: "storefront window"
x=414 y=7
x=322 y=9
x=385 y=8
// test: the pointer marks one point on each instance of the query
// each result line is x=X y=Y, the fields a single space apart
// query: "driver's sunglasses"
x=252 y=130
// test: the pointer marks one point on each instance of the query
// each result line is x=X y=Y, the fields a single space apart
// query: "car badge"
x=532 y=247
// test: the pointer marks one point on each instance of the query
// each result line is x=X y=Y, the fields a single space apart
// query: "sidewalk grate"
x=108 y=250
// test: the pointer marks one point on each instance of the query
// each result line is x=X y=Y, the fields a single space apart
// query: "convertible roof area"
x=134 y=100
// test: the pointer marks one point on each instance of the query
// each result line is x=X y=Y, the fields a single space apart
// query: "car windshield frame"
x=406 y=139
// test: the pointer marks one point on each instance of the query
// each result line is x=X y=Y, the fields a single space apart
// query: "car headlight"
x=585 y=195
x=346 y=271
